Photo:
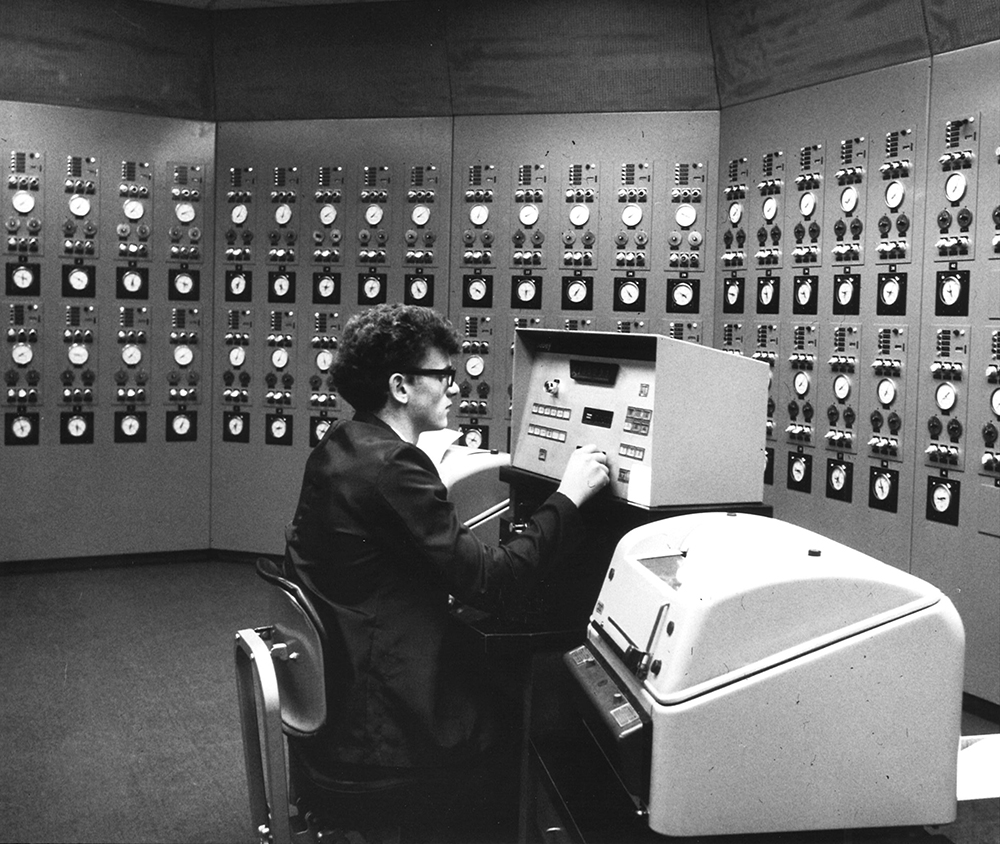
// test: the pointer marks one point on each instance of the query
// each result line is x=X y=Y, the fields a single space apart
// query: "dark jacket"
x=376 y=540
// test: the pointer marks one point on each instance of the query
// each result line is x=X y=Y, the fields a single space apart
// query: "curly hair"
x=383 y=340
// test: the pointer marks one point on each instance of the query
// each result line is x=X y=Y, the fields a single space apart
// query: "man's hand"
x=586 y=473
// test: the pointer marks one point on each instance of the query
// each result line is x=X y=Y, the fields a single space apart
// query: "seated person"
x=378 y=545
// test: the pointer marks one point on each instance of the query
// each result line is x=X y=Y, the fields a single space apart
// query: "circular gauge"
x=283 y=214
x=79 y=206
x=628 y=293
x=631 y=215
x=894 y=195
x=945 y=396
x=23 y=278
x=131 y=354
x=22 y=354
x=281 y=285
x=279 y=427
x=849 y=199
x=733 y=293
x=838 y=477
x=735 y=212
x=237 y=356
x=372 y=287
x=181 y=424
x=950 y=291
x=477 y=289
x=579 y=215
x=770 y=208
x=807 y=204
x=804 y=292
x=890 y=291
x=882 y=486
x=23 y=202
x=76 y=426
x=327 y=215
x=418 y=289
x=420 y=215
x=886 y=390
x=184 y=211
x=235 y=425
x=841 y=387
x=132 y=281
x=279 y=358
x=526 y=290
x=685 y=215
x=577 y=291
x=239 y=214
x=954 y=187
x=800 y=383
x=21 y=427
x=324 y=360
x=78 y=279
x=683 y=294
x=183 y=355
x=474 y=438
x=78 y=354
x=528 y=215
x=326 y=286
x=941 y=498
x=845 y=291
x=474 y=366
x=183 y=283
x=130 y=425
x=995 y=402
x=479 y=214
x=238 y=284
x=133 y=209
x=322 y=426
x=374 y=214
x=766 y=293
x=798 y=469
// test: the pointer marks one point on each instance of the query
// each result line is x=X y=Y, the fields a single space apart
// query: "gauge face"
x=76 y=426
x=78 y=354
x=629 y=293
x=894 y=195
x=322 y=426
x=181 y=424
x=890 y=292
x=22 y=427
x=23 y=201
x=474 y=438
x=131 y=354
x=279 y=358
x=183 y=283
x=804 y=292
x=372 y=287
x=579 y=215
x=281 y=285
x=733 y=293
x=800 y=384
x=132 y=281
x=798 y=469
x=526 y=290
x=632 y=215
x=479 y=214
x=238 y=215
x=184 y=211
x=282 y=214
x=420 y=215
x=326 y=286
x=477 y=289
x=133 y=209
x=941 y=498
x=23 y=278
x=954 y=187
x=374 y=214
x=945 y=396
x=770 y=208
x=130 y=425
x=841 y=387
x=845 y=291
x=807 y=204
x=838 y=477
x=183 y=355
x=22 y=354
x=685 y=215
x=235 y=425
x=735 y=212
x=237 y=356
x=78 y=279
x=528 y=215
x=882 y=486
x=474 y=366
x=279 y=427
x=995 y=402
x=79 y=206
x=324 y=360
x=766 y=293
x=848 y=199
x=683 y=294
x=577 y=291
x=886 y=391
x=327 y=215
x=951 y=290
x=238 y=284
x=418 y=289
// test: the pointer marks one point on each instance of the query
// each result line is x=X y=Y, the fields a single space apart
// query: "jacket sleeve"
x=416 y=502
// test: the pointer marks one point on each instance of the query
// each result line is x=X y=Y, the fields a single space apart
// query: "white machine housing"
x=788 y=681
x=680 y=423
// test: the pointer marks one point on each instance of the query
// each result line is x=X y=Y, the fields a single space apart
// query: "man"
x=377 y=543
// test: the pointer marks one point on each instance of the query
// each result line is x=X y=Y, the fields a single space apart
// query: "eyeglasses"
x=446 y=374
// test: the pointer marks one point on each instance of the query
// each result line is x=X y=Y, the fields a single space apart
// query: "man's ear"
x=398 y=388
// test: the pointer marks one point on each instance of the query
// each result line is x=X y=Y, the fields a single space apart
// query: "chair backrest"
x=297 y=644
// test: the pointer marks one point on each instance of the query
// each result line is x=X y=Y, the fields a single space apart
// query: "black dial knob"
x=877 y=420
x=934 y=427
x=990 y=434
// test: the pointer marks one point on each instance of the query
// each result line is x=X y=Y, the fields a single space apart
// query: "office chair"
x=281 y=687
